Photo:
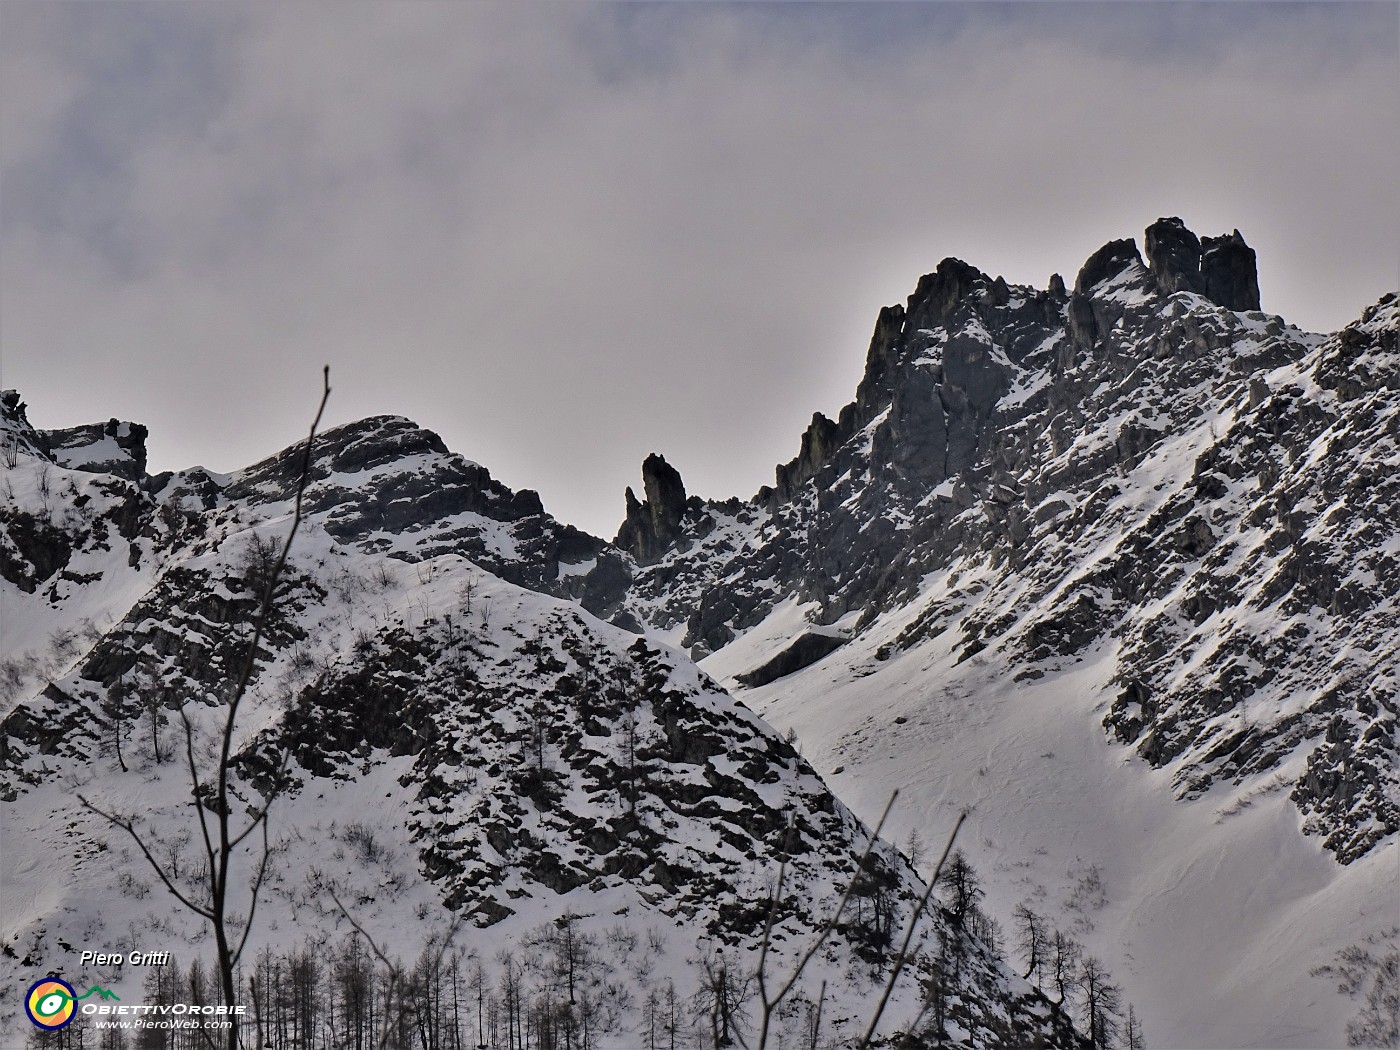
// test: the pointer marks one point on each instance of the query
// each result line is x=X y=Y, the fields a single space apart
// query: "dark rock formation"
x=1174 y=256
x=1079 y=319
x=1365 y=358
x=1220 y=268
x=1109 y=261
x=915 y=440
x=17 y=433
x=807 y=650
x=35 y=552
x=880 y=361
x=1229 y=272
x=939 y=292
x=654 y=524
x=87 y=448
x=820 y=440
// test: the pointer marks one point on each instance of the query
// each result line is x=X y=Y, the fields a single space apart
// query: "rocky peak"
x=387 y=485
x=938 y=293
x=653 y=525
x=113 y=447
x=889 y=379
x=1220 y=268
x=1108 y=262
x=1229 y=272
x=407 y=467
x=365 y=446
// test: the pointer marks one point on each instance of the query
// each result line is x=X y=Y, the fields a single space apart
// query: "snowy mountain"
x=1138 y=527
x=1113 y=568
x=1208 y=488
x=446 y=732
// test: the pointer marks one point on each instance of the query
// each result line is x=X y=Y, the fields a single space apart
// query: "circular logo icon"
x=49 y=1004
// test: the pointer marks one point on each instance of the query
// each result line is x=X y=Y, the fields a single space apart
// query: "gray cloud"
x=564 y=236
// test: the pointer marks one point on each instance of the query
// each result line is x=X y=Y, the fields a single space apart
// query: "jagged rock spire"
x=653 y=525
x=1229 y=271
x=1220 y=268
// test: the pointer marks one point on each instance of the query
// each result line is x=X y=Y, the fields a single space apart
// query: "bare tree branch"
x=129 y=827
x=918 y=914
x=278 y=787
x=770 y=1005
x=197 y=789
x=257 y=888
x=221 y=857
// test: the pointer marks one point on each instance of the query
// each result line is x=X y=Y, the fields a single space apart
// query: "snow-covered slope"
x=447 y=743
x=1053 y=523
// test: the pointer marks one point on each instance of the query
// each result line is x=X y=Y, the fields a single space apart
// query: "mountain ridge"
x=1162 y=512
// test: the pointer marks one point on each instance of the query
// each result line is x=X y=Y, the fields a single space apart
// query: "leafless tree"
x=964 y=891
x=1132 y=1030
x=220 y=837
x=724 y=997
x=1064 y=953
x=769 y=1001
x=1031 y=938
x=1101 y=1003
x=397 y=1005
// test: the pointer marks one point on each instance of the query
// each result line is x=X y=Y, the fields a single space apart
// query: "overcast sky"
x=567 y=235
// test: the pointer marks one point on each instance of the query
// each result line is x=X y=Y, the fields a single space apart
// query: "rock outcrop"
x=113 y=447
x=1229 y=272
x=1223 y=269
x=653 y=525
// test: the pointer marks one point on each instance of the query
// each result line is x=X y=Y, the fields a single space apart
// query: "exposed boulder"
x=805 y=651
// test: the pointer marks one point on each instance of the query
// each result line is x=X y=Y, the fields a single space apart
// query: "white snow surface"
x=1217 y=909
x=69 y=882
